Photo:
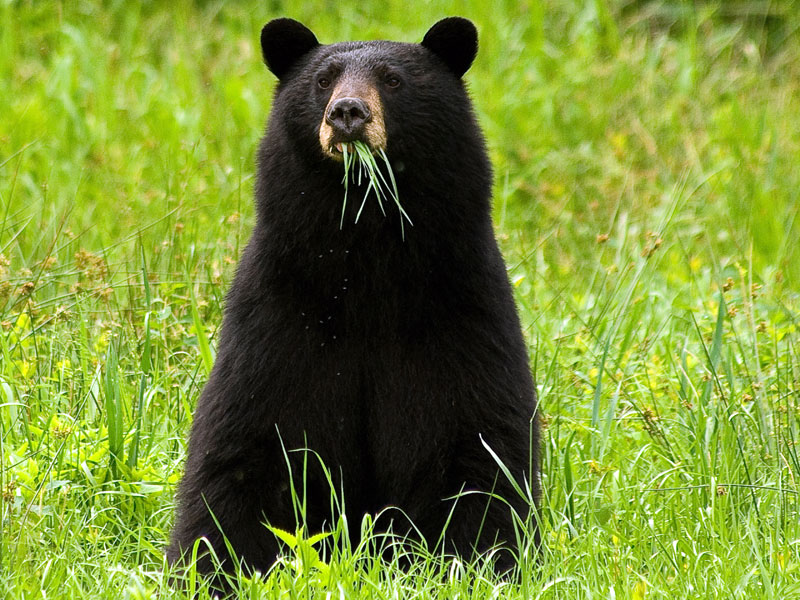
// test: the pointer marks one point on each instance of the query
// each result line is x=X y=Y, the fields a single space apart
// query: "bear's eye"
x=324 y=83
x=392 y=81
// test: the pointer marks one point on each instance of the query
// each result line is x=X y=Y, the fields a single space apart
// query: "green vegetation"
x=647 y=196
x=361 y=164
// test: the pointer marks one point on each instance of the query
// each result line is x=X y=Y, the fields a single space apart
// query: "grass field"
x=647 y=167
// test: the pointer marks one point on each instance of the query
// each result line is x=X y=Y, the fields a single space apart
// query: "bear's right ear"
x=283 y=42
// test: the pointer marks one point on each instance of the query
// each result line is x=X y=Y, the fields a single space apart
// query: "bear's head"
x=393 y=96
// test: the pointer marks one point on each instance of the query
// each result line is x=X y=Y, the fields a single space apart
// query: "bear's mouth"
x=336 y=150
x=340 y=147
x=334 y=140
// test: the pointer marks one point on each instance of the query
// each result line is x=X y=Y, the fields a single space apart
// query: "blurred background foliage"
x=120 y=115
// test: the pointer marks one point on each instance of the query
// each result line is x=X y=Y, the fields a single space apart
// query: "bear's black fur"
x=389 y=355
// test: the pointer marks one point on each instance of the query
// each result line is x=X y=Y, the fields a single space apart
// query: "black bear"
x=396 y=358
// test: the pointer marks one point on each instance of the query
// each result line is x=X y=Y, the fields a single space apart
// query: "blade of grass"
x=203 y=344
x=114 y=417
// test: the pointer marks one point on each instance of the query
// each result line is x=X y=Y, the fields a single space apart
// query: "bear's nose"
x=347 y=116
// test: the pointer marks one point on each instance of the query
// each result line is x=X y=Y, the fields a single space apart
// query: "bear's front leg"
x=222 y=503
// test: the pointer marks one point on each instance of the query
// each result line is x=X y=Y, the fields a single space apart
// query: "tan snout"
x=354 y=113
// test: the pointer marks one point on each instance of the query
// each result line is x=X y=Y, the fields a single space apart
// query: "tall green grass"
x=647 y=203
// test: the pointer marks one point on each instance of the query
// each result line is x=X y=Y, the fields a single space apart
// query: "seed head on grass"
x=359 y=164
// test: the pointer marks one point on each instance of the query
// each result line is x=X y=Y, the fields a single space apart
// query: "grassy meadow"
x=647 y=190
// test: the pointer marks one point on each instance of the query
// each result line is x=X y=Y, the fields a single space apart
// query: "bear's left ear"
x=283 y=42
x=455 y=41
